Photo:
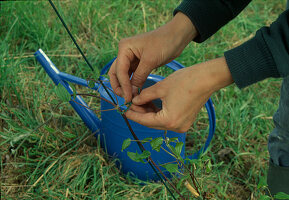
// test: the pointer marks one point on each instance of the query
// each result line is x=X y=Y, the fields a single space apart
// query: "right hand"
x=182 y=93
x=140 y=54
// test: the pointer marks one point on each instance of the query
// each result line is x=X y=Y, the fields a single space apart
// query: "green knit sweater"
x=265 y=55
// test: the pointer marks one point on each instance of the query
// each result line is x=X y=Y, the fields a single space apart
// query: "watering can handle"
x=174 y=65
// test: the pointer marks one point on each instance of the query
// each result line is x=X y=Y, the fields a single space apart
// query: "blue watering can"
x=112 y=129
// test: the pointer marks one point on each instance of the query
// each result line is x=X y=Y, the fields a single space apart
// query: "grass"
x=48 y=153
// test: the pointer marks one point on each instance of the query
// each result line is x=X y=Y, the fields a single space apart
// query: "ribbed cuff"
x=251 y=62
x=208 y=16
x=200 y=14
x=187 y=8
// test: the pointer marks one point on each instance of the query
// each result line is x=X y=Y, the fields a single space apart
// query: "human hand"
x=183 y=93
x=140 y=54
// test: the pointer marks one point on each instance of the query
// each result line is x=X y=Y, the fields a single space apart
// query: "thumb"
x=147 y=95
x=141 y=73
x=151 y=119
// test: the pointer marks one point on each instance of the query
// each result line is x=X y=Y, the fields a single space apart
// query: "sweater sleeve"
x=265 y=55
x=208 y=16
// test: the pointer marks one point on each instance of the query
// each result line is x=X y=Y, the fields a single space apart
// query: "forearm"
x=182 y=29
x=208 y=16
x=215 y=74
x=219 y=73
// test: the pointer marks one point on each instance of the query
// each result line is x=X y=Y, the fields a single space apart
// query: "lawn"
x=46 y=151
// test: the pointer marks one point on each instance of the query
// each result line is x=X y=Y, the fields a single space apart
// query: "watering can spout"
x=48 y=66
x=79 y=105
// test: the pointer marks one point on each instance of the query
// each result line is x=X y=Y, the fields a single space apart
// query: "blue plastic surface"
x=112 y=127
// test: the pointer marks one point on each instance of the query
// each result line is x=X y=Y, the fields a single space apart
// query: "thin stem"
x=93 y=109
x=168 y=152
x=151 y=160
x=69 y=33
x=169 y=162
x=93 y=95
x=194 y=179
x=98 y=81
x=115 y=96
x=105 y=88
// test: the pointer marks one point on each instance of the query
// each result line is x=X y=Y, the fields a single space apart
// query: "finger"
x=113 y=80
x=149 y=107
x=141 y=73
x=132 y=70
x=147 y=95
x=150 y=119
x=135 y=91
x=122 y=72
x=138 y=109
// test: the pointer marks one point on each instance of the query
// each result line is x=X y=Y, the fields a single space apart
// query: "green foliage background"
x=48 y=153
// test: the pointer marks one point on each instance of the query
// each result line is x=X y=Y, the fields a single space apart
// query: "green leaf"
x=157 y=143
x=62 y=93
x=135 y=156
x=178 y=148
x=132 y=156
x=144 y=154
x=172 y=168
x=91 y=83
x=146 y=140
x=172 y=149
x=173 y=139
x=139 y=157
x=125 y=144
x=281 y=195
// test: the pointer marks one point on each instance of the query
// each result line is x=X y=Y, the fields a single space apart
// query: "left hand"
x=139 y=55
x=183 y=93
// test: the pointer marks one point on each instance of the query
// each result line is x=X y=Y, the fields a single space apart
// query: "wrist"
x=183 y=28
x=218 y=74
